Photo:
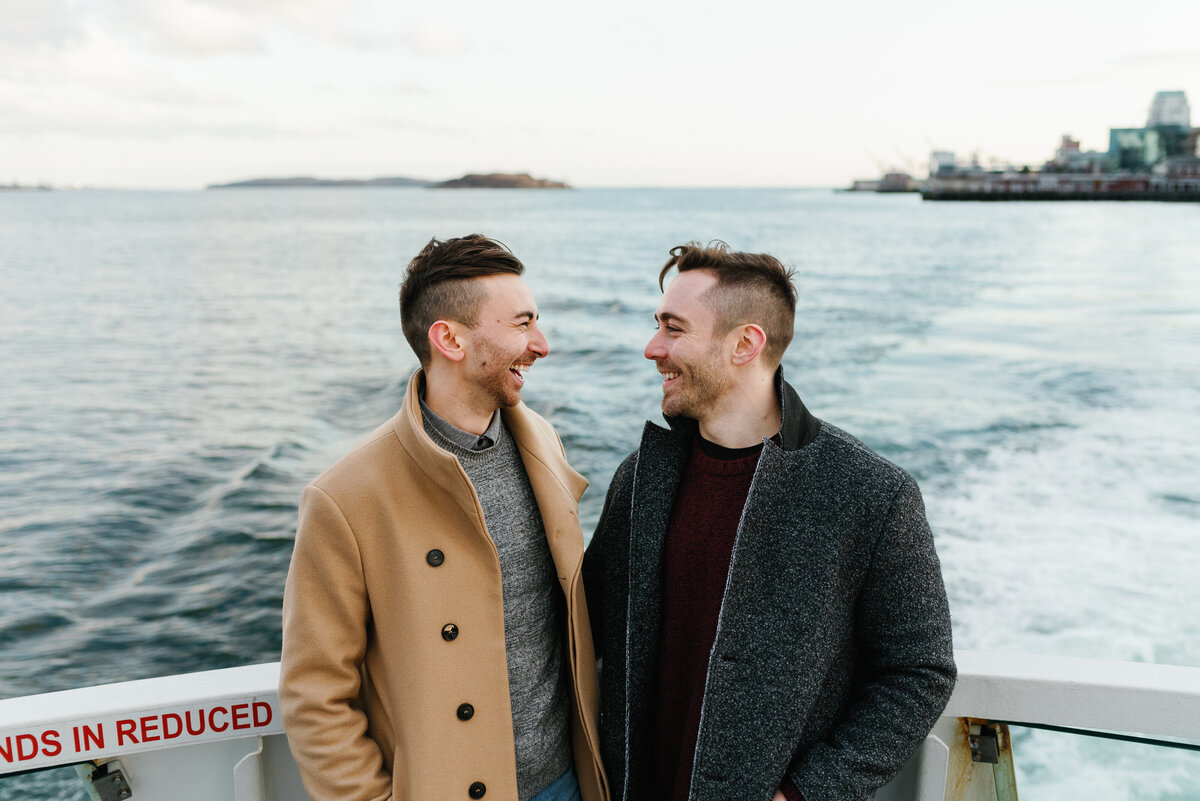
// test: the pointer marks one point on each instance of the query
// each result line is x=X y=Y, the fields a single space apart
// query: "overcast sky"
x=181 y=93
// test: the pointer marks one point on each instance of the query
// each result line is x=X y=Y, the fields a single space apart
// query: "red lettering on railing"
x=27 y=747
x=212 y=714
x=126 y=728
x=167 y=720
x=51 y=747
x=85 y=738
x=93 y=737
x=149 y=728
x=199 y=728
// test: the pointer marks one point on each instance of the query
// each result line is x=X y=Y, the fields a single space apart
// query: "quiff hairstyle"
x=751 y=288
x=437 y=285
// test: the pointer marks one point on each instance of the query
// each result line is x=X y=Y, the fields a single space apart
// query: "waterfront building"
x=1070 y=157
x=1157 y=162
x=1179 y=175
x=1169 y=108
x=1139 y=149
x=1168 y=133
x=942 y=162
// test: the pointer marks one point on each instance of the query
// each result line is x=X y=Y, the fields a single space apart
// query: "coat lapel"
x=438 y=464
x=556 y=486
x=661 y=461
x=783 y=572
x=782 y=560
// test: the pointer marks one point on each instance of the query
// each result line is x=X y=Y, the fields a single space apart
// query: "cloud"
x=429 y=37
x=402 y=88
x=332 y=21
x=106 y=70
x=183 y=27
x=46 y=23
x=1104 y=73
x=317 y=17
x=409 y=87
x=390 y=122
x=173 y=27
x=1171 y=58
x=204 y=28
x=93 y=117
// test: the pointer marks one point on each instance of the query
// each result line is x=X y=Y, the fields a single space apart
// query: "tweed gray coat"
x=832 y=657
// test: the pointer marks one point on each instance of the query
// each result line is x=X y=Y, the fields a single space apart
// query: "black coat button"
x=465 y=711
x=435 y=557
x=449 y=632
x=477 y=790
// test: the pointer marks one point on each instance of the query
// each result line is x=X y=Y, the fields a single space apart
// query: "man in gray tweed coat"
x=766 y=601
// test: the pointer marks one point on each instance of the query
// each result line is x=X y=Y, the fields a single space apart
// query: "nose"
x=537 y=342
x=655 y=348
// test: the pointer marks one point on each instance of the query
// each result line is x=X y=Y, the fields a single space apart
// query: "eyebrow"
x=667 y=317
x=526 y=315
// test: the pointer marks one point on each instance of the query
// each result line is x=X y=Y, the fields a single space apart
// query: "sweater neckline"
x=714 y=459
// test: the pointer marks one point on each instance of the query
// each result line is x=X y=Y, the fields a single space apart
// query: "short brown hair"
x=751 y=288
x=437 y=285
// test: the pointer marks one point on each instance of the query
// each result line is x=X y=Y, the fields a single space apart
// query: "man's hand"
x=779 y=796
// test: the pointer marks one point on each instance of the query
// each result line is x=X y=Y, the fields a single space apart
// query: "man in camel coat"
x=436 y=642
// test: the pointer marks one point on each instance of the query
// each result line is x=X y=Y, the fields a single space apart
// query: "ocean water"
x=175 y=366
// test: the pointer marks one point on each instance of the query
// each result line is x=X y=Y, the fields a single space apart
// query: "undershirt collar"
x=463 y=439
x=715 y=451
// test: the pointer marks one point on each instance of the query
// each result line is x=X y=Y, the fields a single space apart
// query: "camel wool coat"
x=393 y=619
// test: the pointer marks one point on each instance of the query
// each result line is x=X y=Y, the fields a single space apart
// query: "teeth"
x=669 y=376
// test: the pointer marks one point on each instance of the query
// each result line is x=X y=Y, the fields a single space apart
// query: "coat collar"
x=534 y=437
x=556 y=486
x=438 y=464
x=799 y=427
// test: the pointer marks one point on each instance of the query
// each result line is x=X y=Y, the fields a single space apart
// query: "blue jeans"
x=564 y=788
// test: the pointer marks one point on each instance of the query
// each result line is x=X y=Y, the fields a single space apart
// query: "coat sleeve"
x=325 y=618
x=599 y=562
x=903 y=629
x=593 y=574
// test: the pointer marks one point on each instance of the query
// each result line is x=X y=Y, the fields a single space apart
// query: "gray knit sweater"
x=532 y=614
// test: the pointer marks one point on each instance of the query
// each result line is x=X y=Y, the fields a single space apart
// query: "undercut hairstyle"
x=437 y=285
x=751 y=288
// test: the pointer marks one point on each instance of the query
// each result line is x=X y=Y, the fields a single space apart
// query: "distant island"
x=500 y=180
x=495 y=180
x=305 y=181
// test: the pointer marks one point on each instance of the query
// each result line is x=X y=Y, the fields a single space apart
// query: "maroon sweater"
x=699 y=544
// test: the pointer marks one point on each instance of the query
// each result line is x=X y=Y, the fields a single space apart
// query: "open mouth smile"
x=518 y=371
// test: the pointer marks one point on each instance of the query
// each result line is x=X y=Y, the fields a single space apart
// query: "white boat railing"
x=218 y=734
x=1161 y=703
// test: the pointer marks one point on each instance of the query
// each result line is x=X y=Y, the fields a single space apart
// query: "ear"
x=443 y=338
x=749 y=342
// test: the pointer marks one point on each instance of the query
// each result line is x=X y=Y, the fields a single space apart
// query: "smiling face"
x=691 y=359
x=506 y=340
